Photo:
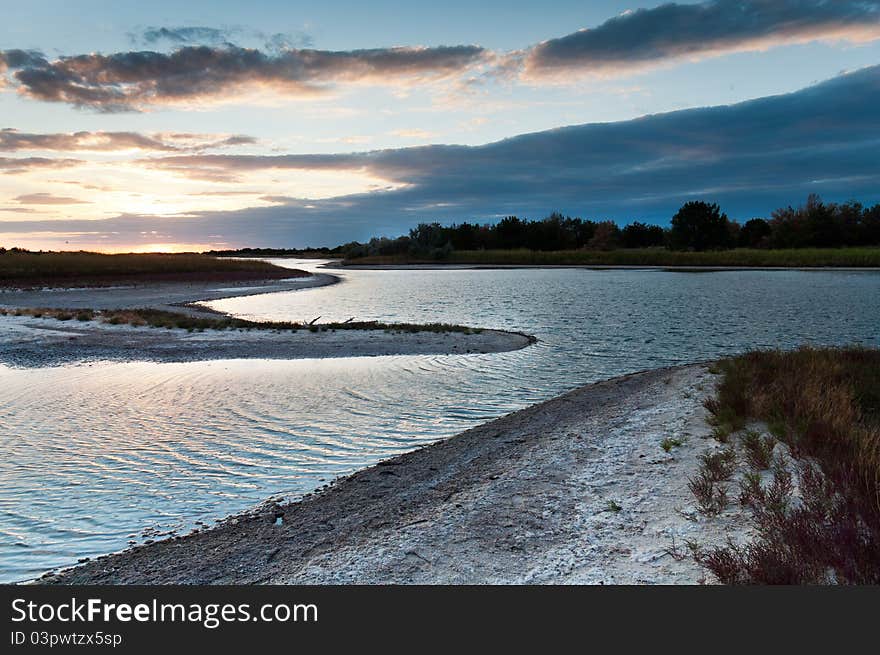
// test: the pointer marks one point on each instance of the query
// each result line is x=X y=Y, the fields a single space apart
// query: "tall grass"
x=18 y=267
x=797 y=258
x=819 y=519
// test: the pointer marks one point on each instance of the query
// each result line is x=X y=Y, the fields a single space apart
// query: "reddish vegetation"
x=817 y=519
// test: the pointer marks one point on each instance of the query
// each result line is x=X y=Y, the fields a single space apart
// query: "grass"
x=156 y=318
x=32 y=269
x=818 y=519
x=797 y=258
x=671 y=442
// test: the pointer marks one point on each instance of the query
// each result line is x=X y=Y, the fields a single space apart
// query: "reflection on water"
x=96 y=455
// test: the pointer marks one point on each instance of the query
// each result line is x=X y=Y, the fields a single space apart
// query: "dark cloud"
x=47 y=199
x=208 y=64
x=11 y=165
x=190 y=35
x=127 y=81
x=13 y=59
x=751 y=157
x=672 y=31
x=12 y=140
x=185 y=35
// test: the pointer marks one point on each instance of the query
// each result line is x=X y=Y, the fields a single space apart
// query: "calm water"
x=97 y=456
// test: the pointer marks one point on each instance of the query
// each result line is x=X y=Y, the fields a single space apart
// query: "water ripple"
x=95 y=456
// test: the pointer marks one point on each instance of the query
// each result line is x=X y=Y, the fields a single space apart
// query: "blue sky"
x=284 y=79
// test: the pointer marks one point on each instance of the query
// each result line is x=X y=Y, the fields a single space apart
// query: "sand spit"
x=26 y=341
x=32 y=342
x=573 y=490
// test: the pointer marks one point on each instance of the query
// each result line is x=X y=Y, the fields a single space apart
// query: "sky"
x=134 y=126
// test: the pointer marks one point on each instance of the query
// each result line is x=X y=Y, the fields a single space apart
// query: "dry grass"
x=31 y=269
x=818 y=520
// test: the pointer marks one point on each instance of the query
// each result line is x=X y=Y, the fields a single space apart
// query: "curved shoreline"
x=169 y=296
x=26 y=341
x=521 y=499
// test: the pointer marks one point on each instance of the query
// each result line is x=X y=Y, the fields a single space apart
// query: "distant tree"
x=754 y=234
x=509 y=233
x=427 y=238
x=696 y=226
x=699 y=225
x=640 y=235
x=869 y=226
x=606 y=236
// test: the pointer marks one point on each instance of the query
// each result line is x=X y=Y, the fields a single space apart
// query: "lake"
x=97 y=456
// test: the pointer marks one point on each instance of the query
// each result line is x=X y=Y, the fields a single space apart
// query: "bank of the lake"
x=166 y=447
x=577 y=489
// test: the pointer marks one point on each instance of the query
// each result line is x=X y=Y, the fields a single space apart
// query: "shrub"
x=719 y=466
x=824 y=404
x=711 y=496
x=759 y=450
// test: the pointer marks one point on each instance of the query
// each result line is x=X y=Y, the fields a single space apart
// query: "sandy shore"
x=532 y=497
x=169 y=296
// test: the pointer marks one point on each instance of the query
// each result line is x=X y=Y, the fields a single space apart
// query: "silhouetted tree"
x=606 y=236
x=640 y=235
x=696 y=226
x=754 y=234
x=699 y=225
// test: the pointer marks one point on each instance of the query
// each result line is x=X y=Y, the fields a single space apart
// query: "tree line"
x=696 y=226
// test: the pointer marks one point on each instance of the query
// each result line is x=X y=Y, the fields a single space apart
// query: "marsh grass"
x=22 y=268
x=795 y=257
x=156 y=318
x=818 y=519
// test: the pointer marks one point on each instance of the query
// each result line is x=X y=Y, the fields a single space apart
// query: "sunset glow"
x=300 y=131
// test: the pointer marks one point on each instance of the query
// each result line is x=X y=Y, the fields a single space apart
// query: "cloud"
x=13 y=165
x=47 y=199
x=205 y=64
x=13 y=59
x=198 y=34
x=181 y=35
x=13 y=140
x=648 y=37
x=130 y=81
x=414 y=133
x=751 y=157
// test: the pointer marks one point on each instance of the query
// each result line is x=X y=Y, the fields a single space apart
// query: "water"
x=97 y=456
